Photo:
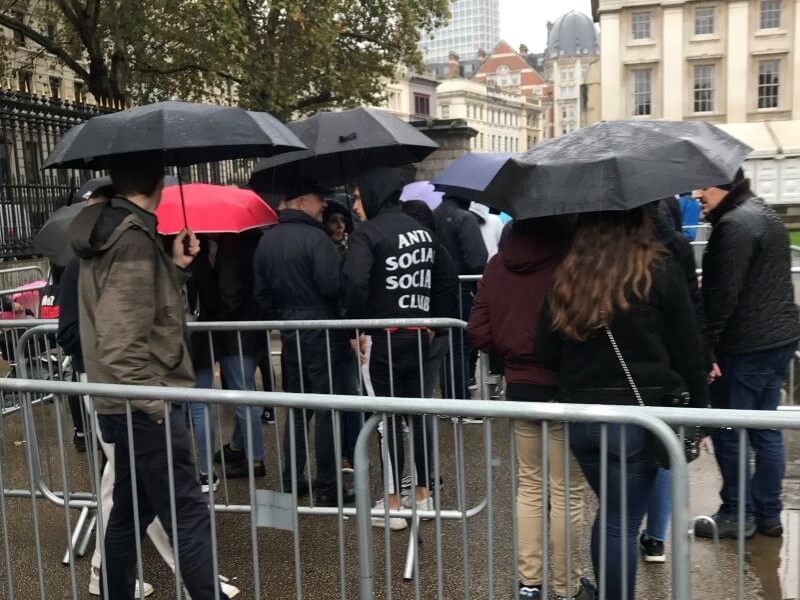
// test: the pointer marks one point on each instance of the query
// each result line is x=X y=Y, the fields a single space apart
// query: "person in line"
x=618 y=285
x=752 y=331
x=651 y=542
x=233 y=265
x=391 y=271
x=133 y=331
x=338 y=220
x=503 y=322
x=690 y=215
x=459 y=232
x=297 y=277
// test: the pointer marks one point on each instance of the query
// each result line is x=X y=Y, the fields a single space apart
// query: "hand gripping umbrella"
x=614 y=165
x=181 y=133
x=342 y=145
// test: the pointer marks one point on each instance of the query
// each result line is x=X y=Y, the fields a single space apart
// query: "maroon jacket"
x=510 y=295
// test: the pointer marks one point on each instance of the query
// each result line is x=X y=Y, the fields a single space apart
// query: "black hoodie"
x=391 y=269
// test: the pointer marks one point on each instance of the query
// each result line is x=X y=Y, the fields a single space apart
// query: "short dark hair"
x=136 y=175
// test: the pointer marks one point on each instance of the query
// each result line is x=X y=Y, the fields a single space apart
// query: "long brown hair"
x=608 y=263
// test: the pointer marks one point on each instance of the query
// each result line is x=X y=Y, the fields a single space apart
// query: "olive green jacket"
x=132 y=321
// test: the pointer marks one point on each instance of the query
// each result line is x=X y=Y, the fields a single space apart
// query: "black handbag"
x=655 y=452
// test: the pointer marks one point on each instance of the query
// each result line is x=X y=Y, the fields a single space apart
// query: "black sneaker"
x=727 y=528
x=268 y=416
x=652 y=549
x=587 y=591
x=79 y=441
x=771 y=527
x=204 y=486
x=231 y=456
x=302 y=487
x=530 y=592
x=241 y=470
x=332 y=499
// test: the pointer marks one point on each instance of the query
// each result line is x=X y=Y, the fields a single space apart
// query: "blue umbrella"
x=469 y=176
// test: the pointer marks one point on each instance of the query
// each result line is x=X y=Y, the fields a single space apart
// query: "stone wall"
x=454 y=138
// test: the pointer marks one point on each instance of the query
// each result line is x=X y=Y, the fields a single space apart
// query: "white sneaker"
x=395 y=523
x=94 y=585
x=231 y=591
x=424 y=504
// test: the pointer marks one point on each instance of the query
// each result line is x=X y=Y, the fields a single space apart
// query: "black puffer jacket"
x=460 y=233
x=392 y=268
x=297 y=270
x=747 y=285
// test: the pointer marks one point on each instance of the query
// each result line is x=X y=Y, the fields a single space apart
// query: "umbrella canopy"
x=344 y=144
x=424 y=191
x=212 y=209
x=615 y=165
x=184 y=133
x=53 y=238
x=469 y=177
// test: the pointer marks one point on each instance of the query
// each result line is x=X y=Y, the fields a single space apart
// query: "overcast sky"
x=525 y=21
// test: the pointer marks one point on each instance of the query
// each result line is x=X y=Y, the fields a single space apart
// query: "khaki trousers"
x=530 y=505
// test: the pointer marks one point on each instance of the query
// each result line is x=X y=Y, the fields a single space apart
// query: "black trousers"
x=309 y=373
x=400 y=378
x=193 y=548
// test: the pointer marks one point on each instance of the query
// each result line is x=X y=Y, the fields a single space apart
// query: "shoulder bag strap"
x=624 y=366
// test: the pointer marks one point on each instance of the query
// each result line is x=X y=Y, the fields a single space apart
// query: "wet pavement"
x=770 y=567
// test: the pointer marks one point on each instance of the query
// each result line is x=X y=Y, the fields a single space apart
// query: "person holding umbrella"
x=297 y=276
x=132 y=331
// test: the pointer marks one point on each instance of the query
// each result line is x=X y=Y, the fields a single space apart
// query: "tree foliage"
x=287 y=57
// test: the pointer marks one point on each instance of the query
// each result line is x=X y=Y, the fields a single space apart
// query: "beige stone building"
x=505 y=121
x=410 y=95
x=722 y=61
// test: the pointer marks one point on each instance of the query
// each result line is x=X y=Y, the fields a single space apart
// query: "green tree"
x=284 y=56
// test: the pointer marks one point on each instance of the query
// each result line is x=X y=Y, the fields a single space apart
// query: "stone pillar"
x=672 y=76
x=739 y=81
x=452 y=135
x=614 y=93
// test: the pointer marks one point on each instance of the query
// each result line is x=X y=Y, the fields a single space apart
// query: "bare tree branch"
x=45 y=42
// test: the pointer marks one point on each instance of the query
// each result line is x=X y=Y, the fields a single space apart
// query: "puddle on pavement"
x=776 y=561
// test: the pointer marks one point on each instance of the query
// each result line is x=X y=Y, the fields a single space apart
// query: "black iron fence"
x=30 y=126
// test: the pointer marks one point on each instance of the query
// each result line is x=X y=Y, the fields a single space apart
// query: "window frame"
x=418 y=100
x=637 y=35
x=636 y=93
x=765 y=99
x=712 y=19
x=767 y=11
x=705 y=103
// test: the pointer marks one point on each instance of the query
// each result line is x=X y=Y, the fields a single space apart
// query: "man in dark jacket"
x=752 y=330
x=460 y=232
x=391 y=271
x=132 y=329
x=297 y=277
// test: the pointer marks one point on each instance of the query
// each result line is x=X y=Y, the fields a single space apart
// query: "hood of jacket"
x=734 y=199
x=531 y=247
x=99 y=226
x=380 y=188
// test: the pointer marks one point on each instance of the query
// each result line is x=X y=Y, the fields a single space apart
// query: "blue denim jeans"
x=204 y=379
x=639 y=480
x=660 y=506
x=240 y=375
x=751 y=382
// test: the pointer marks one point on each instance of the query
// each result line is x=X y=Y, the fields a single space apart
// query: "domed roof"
x=573 y=34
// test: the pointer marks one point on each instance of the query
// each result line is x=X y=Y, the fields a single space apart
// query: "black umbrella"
x=184 y=133
x=615 y=165
x=468 y=177
x=53 y=238
x=343 y=145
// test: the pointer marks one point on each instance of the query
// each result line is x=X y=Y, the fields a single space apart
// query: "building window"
x=80 y=91
x=642 y=92
x=25 y=80
x=703 y=88
x=768 y=83
x=770 y=14
x=422 y=105
x=19 y=37
x=640 y=25
x=55 y=87
x=445 y=111
x=704 y=20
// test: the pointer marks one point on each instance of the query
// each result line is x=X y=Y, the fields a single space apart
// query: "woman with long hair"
x=619 y=285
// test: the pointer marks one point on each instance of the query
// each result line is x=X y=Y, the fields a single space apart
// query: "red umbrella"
x=212 y=209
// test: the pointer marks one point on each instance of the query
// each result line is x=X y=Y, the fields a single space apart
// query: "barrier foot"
x=413 y=541
x=73 y=543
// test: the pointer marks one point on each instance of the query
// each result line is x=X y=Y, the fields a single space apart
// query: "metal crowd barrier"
x=366 y=551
